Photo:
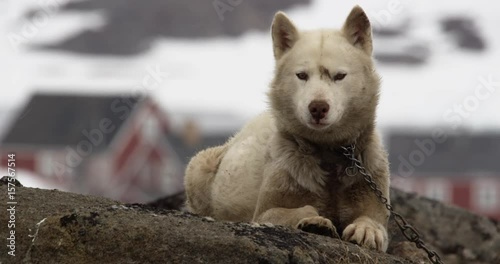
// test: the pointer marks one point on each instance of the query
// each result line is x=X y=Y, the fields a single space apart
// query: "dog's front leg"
x=369 y=225
x=305 y=218
x=283 y=203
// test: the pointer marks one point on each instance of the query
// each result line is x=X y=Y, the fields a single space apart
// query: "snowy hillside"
x=232 y=75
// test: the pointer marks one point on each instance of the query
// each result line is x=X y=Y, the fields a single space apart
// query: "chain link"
x=408 y=231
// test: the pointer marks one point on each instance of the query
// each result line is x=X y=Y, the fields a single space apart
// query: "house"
x=112 y=146
x=459 y=169
x=195 y=131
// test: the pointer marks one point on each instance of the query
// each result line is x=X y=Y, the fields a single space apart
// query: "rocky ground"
x=58 y=227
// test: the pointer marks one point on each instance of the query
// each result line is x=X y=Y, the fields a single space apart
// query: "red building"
x=113 y=146
x=462 y=170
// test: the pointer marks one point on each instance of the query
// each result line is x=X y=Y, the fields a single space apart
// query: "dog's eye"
x=302 y=76
x=339 y=76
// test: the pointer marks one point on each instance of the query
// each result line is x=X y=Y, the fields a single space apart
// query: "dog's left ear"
x=358 y=31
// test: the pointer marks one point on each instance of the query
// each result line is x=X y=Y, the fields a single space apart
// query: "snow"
x=232 y=76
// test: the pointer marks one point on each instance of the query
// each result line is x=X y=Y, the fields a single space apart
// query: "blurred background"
x=113 y=97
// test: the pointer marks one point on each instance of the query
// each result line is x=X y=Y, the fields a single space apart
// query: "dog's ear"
x=284 y=34
x=358 y=31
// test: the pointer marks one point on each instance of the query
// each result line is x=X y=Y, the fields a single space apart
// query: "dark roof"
x=59 y=120
x=458 y=155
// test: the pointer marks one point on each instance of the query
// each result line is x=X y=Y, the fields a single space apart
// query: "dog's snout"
x=318 y=109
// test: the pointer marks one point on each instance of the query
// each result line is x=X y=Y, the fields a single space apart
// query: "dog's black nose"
x=318 y=109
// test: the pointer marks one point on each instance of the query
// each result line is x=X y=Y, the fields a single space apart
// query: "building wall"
x=143 y=162
x=23 y=160
x=477 y=194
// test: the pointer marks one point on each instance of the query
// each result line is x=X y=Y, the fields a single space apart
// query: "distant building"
x=463 y=170
x=197 y=131
x=112 y=146
x=187 y=151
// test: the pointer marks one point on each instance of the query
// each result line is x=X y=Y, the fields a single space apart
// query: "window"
x=486 y=196
x=438 y=190
x=45 y=163
x=404 y=184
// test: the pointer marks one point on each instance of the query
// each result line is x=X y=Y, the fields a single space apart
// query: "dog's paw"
x=367 y=233
x=318 y=225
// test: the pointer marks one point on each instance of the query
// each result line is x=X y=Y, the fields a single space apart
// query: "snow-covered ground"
x=232 y=75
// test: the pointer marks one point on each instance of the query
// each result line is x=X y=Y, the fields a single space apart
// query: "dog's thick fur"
x=286 y=167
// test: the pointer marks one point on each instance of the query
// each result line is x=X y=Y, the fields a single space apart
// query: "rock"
x=6 y=180
x=174 y=202
x=59 y=227
x=408 y=250
x=448 y=229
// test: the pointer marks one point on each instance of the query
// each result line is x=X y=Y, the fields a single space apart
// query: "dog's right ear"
x=358 y=31
x=284 y=34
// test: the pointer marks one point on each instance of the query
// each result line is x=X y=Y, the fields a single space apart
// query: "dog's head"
x=325 y=83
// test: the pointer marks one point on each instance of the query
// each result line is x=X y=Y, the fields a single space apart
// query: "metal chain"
x=409 y=232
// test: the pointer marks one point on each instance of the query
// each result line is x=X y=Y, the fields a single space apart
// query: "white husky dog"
x=286 y=166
